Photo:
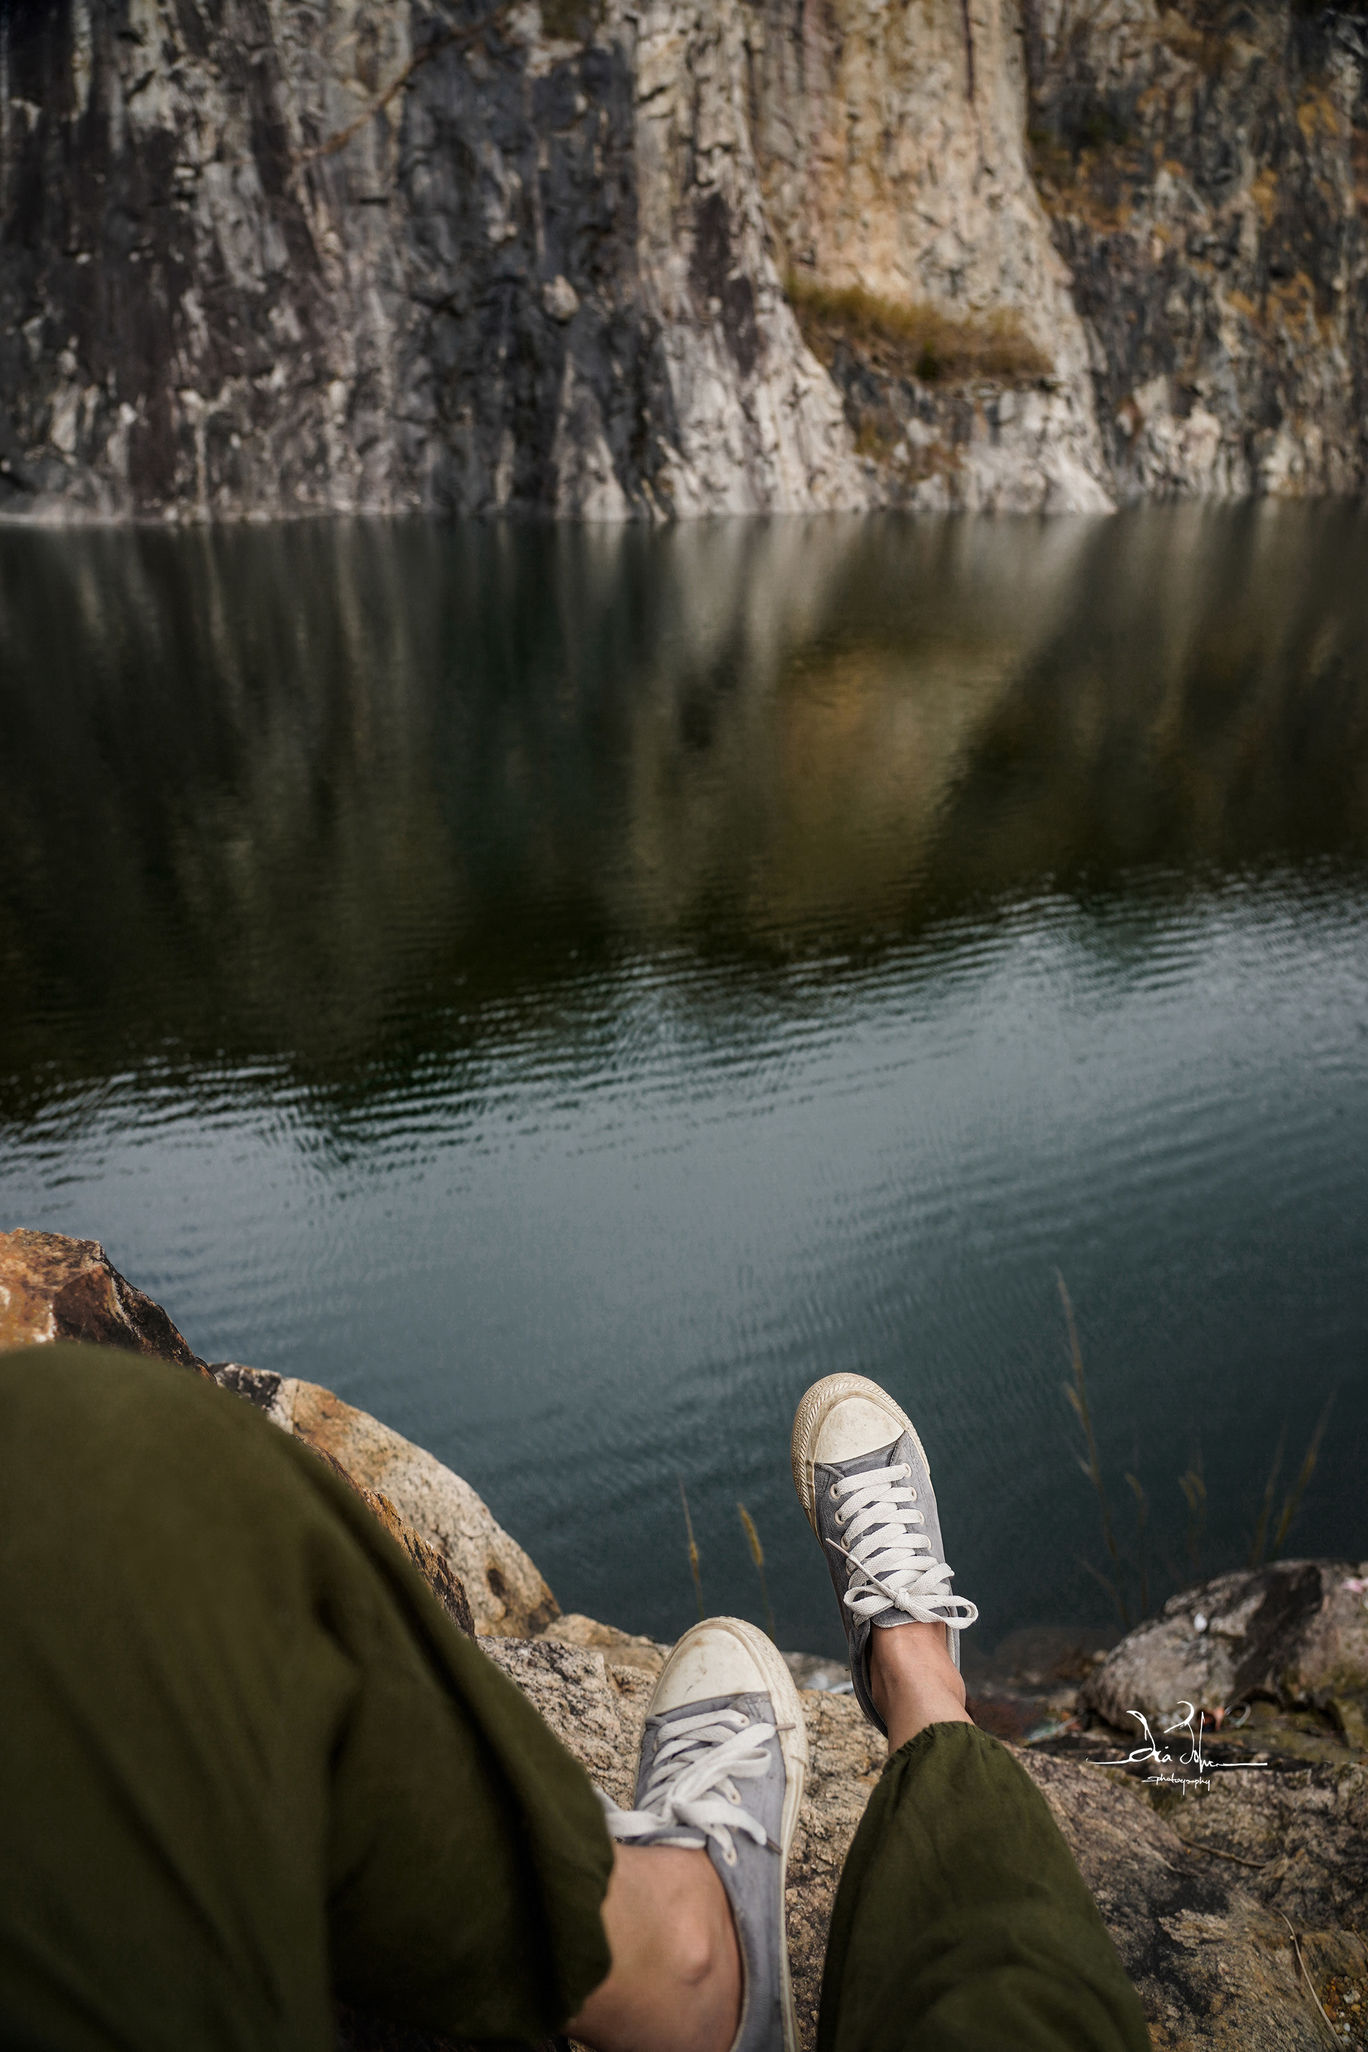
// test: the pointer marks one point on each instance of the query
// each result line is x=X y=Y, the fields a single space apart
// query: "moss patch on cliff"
x=570 y=21
x=904 y=339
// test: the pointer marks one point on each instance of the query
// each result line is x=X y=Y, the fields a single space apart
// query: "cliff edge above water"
x=610 y=261
x=1240 y=1907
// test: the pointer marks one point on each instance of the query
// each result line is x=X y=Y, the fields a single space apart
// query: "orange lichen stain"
x=877 y=436
x=1206 y=49
x=1358 y=166
x=1067 y=191
x=1295 y=300
x=1241 y=303
x=1104 y=219
x=1318 y=115
x=1264 y=193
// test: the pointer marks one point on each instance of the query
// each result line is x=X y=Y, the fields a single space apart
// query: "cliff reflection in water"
x=323 y=793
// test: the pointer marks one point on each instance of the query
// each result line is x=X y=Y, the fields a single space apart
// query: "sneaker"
x=722 y=1762
x=864 y=1481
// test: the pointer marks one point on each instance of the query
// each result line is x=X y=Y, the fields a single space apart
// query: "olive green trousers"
x=248 y=1768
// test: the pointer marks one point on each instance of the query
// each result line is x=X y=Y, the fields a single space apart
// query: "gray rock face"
x=1203 y=170
x=532 y=279
x=53 y=1288
x=1294 y=1635
x=536 y=258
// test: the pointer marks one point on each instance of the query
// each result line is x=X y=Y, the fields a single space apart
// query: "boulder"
x=621 y=1649
x=53 y=1288
x=431 y=1564
x=1294 y=1634
x=506 y=1592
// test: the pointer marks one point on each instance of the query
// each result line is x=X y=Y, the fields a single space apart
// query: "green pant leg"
x=962 y=1923
x=246 y=1760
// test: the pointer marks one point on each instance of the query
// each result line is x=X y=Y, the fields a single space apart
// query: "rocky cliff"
x=609 y=260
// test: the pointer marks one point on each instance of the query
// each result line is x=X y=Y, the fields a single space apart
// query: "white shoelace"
x=692 y=1793
x=893 y=1561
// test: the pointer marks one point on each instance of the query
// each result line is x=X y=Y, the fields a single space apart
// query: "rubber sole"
x=793 y=1745
x=813 y=1410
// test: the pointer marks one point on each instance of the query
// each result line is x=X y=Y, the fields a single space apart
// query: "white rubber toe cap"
x=853 y=1427
x=841 y=1418
x=717 y=1658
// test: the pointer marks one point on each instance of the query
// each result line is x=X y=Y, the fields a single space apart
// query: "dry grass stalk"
x=908 y=339
x=757 y=1553
x=1292 y=1502
x=1296 y=1947
x=693 y=1550
x=1136 y=1488
x=1076 y=1395
x=1193 y=1486
x=1293 y=1499
x=1216 y=1852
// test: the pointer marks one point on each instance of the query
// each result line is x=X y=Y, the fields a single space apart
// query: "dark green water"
x=566 y=990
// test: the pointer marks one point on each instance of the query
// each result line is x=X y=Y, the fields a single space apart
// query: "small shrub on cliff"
x=569 y=21
x=906 y=339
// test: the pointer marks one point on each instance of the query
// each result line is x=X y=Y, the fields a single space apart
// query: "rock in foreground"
x=53 y=1288
x=1294 y=1634
x=1202 y=1894
x=504 y=1587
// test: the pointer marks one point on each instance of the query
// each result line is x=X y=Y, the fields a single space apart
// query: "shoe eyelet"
x=832 y=1492
x=733 y=1795
x=729 y=1855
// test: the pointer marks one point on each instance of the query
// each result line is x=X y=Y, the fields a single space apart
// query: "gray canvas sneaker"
x=722 y=1763
x=864 y=1481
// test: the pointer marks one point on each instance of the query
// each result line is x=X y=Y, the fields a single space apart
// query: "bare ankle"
x=914 y=1681
x=675 y=1982
x=701 y=1933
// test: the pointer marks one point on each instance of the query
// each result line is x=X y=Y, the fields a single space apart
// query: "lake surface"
x=565 y=990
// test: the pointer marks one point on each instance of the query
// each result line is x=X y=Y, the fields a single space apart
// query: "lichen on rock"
x=55 y=1288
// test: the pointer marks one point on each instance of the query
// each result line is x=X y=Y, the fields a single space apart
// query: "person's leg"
x=675 y=1981
x=721 y=1770
x=961 y=1922
x=915 y=1682
x=246 y=1761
